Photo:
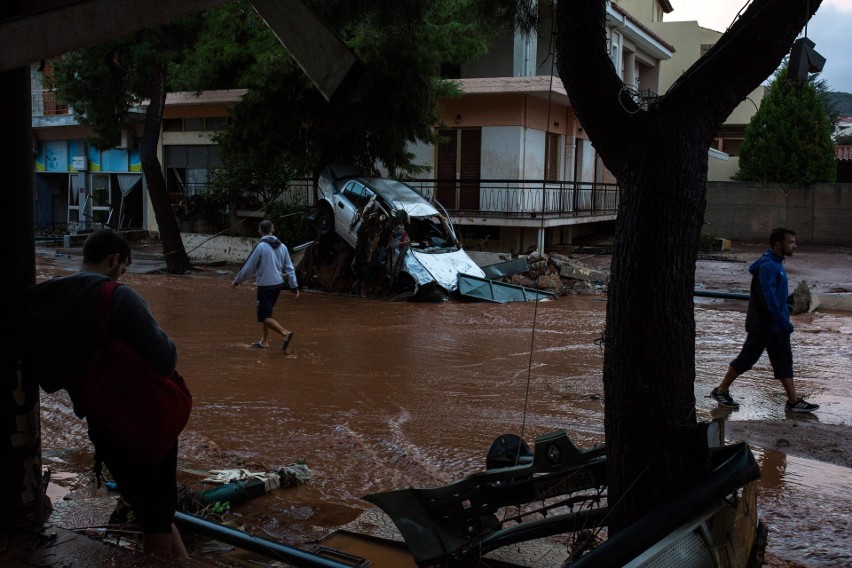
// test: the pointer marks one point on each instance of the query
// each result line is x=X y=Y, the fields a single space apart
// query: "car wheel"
x=405 y=284
x=324 y=222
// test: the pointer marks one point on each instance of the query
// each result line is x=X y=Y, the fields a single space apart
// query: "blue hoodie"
x=268 y=260
x=767 y=307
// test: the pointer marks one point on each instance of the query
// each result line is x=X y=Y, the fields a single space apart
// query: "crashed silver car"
x=395 y=226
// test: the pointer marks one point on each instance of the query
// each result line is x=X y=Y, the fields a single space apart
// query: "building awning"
x=843 y=152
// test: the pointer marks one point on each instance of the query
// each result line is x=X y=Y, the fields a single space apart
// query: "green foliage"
x=844 y=140
x=291 y=221
x=248 y=180
x=708 y=243
x=104 y=81
x=402 y=46
x=789 y=139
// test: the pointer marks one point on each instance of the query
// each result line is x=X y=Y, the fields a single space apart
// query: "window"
x=458 y=167
x=357 y=194
x=188 y=168
x=731 y=146
x=193 y=124
x=551 y=157
x=615 y=50
x=197 y=124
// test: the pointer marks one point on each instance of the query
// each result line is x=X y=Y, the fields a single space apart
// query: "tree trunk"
x=177 y=261
x=655 y=450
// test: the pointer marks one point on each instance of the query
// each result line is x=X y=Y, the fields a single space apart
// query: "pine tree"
x=789 y=138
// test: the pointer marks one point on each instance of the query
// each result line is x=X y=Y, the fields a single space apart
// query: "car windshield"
x=429 y=232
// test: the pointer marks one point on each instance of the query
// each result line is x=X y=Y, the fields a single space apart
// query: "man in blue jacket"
x=768 y=326
x=269 y=261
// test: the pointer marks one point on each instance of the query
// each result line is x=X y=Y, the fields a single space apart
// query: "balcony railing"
x=495 y=198
x=45 y=104
x=522 y=198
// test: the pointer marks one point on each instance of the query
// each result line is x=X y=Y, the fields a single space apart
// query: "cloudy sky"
x=830 y=29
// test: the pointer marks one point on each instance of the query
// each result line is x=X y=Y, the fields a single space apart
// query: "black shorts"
x=266 y=298
x=776 y=345
x=151 y=489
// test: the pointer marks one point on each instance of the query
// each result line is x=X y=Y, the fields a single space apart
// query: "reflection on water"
x=377 y=395
x=805 y=504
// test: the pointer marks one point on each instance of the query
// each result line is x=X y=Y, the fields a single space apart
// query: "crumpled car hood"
x=415 y=209
x=442 y=268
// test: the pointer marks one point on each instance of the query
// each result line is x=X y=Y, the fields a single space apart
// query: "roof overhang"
x=185 y=98
x=539 y=86
x=644 y=38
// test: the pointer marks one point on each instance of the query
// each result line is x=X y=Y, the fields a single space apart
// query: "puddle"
x=806 y=506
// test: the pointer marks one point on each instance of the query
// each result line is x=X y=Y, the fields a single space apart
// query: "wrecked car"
x=390 y=224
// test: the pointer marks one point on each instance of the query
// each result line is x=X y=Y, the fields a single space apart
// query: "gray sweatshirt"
x=268 y=261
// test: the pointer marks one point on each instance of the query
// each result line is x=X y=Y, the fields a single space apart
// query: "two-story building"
x=692 y=41
x=515 y=169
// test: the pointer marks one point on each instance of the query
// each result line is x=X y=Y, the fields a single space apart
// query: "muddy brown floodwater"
x=376 y=395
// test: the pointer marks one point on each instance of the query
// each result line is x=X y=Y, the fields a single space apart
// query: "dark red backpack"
x=126 y=401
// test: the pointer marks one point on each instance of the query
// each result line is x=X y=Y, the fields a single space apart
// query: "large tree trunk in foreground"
x=655 y=449
x=21 y=494
x=177 y=261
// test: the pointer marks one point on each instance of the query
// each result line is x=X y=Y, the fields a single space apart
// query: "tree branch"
x=739 y=62
x=593 y=86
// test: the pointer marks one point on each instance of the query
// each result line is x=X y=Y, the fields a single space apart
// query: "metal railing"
x=522 y=198
x=44 y=103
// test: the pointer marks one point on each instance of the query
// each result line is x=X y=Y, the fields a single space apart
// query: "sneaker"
x=725 y=399
x=801 y=405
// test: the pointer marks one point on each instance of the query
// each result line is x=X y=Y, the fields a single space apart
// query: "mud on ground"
x=826 y=269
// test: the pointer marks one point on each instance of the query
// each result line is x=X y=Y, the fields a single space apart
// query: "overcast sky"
x=830 y=29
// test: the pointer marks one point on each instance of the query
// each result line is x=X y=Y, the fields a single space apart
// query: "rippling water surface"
x=377 y=395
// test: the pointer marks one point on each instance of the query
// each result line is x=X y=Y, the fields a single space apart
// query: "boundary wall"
x=820 y=214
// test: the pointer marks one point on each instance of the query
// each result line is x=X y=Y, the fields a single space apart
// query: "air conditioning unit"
x=128 y=139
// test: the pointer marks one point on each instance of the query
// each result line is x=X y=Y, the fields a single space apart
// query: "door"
x=350 y=204
x=459 y=166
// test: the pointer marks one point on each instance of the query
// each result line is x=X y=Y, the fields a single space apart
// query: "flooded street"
x=376 y=395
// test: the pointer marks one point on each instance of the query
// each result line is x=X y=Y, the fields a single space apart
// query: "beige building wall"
x=646 y=11
x=691 y=41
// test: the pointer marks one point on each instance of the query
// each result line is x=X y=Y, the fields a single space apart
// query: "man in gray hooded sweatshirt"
x=268 y=262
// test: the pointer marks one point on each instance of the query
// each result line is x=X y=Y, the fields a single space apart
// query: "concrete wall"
x=722 y=170
x=820 y=214
x=208 y=248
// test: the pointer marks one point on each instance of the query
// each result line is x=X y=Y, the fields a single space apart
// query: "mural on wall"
x=115 y=160
x=59 y=155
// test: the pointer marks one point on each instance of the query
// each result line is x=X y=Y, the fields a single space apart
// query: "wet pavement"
x=378 y=395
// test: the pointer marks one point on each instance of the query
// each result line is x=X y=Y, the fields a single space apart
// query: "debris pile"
x=560 y=275
x=334 y=267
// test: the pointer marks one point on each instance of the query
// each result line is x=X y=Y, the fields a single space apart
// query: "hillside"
x=842 y=102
